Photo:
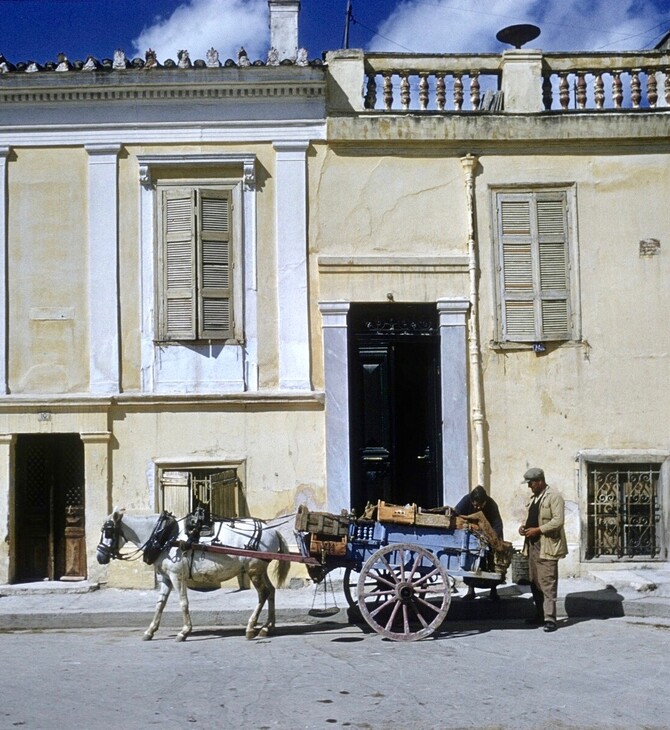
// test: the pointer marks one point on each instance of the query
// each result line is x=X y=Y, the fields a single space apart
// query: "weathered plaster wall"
x=610 y=391
x=281 y=452
x=48 y=260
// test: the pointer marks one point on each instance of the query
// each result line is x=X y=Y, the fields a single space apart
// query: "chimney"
x=284 y=27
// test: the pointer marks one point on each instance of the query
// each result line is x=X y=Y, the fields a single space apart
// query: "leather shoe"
x=550 y=626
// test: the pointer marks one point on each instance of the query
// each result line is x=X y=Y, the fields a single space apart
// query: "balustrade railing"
x=432 y=83
x=599 y=81
x=566 y=82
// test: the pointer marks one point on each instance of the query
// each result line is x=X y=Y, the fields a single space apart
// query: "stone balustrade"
x=635 y=80
x=442 y=83
x=516 y=81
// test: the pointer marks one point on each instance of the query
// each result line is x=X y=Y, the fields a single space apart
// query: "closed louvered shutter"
x=215 y=265
x=533 y=238
x=552 y=230
x=179 y=296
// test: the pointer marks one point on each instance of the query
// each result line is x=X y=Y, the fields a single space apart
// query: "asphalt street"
x=593 y=673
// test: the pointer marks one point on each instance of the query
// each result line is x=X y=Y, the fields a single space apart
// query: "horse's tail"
x=282 y=567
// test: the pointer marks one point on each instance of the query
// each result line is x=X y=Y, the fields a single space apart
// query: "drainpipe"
x=469 y=163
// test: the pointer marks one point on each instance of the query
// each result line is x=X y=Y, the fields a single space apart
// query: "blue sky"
x=37 y=30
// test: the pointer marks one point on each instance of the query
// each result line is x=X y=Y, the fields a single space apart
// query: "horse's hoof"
x=180 y=637
x=250 y=635
x=263 y=633
x=147 y=637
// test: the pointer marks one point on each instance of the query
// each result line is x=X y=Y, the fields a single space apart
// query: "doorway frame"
x=452 y=323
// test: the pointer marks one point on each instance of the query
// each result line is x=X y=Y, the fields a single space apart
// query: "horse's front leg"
x=165 y=587
x=185 y=613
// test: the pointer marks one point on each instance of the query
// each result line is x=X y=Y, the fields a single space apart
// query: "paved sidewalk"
x=63 y=605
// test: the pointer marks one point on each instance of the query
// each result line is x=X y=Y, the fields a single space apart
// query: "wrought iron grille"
x=623 y=511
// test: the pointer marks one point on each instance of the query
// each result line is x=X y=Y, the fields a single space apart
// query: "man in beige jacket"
x=545 y=544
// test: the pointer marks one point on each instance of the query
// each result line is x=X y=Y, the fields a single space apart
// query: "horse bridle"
x=110 y=536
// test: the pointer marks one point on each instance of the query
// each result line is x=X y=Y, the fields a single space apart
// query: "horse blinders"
x=108 y=547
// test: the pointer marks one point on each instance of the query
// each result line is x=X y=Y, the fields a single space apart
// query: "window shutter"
x=516 y=238
x=552 y=231
x=179 y=300
x=215 y=264
x=533 y=239
x=176 y=492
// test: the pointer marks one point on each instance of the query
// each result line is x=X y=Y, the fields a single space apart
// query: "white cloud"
x=470 y=26
x=199 y=25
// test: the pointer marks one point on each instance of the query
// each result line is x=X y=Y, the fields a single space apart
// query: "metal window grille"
x=218 y=491
x=623 y=511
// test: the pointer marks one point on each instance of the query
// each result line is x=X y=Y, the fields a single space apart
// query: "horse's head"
x=111 y=538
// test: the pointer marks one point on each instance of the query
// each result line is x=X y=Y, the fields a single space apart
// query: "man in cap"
x=545 y=545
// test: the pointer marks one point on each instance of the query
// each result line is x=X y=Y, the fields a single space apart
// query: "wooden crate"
x=319 y=546
x=322 y=523
x=396 y=513
x=433 y=519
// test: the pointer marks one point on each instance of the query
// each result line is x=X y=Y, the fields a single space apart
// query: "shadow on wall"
x=604 y=603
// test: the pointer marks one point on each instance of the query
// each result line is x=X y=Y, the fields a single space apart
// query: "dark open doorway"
x=50 y=526
x=395 y=414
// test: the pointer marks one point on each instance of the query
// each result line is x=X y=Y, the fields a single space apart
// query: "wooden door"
x=50 y=524
x=395 y=415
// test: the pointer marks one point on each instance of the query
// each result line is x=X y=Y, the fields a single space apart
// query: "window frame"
x=593 y=458
x=502 y=338
x=170 y=465
x=196 y=186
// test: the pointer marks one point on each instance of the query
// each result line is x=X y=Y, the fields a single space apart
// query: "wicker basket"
x=520 y=572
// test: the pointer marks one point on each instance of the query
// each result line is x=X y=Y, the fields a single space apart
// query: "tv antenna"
x=518 y=35
x=348 y=17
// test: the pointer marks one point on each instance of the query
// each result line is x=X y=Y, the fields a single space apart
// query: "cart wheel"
x=350 y=586
x=403 y=592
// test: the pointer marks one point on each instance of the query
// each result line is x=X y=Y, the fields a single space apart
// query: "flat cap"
x=533 y=473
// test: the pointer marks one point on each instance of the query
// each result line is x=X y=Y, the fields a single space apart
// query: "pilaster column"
x=98 y=480
x=103 y=213
x=4 y=154
x=7 y=508
x=336 y=376
x=291 y=229
x=453 y=355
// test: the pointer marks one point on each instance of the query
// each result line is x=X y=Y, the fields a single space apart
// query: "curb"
x=600 y=604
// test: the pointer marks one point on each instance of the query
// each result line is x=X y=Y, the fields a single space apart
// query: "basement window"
x=624 y=511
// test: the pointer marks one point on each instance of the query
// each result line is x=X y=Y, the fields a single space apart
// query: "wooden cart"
x=399 y=564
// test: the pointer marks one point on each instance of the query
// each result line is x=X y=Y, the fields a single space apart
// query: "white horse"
x=180 y=565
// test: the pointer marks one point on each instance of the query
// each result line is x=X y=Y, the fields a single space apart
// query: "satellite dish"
x=518 y=35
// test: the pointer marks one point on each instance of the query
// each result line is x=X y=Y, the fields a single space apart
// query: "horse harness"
x=165 y=535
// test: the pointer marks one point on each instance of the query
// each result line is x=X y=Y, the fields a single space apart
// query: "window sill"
x=549 y=346
x=231 y=342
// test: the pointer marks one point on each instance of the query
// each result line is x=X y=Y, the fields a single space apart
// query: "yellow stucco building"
x=375 y=277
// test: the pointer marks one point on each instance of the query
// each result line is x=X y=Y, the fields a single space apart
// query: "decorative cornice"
x=13 y=404
x=160 y=132
x=148 y=163
x=102 y=149
x=182 y=85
